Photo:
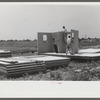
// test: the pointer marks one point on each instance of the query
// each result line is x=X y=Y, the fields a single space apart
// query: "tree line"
x=11 y=40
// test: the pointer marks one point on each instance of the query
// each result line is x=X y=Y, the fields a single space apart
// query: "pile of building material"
x=53 y=61
x=29 y=64
x=87 y=54
x=89 y=51
x=12 y=67
x=83 y=54
x=5 y=53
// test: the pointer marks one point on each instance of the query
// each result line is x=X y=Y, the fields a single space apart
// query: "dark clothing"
x=55 y=48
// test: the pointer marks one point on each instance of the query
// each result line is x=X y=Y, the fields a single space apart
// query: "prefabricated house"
x=46 y=41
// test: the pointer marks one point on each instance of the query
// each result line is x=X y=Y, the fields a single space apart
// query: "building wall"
x=48 y=46
x=75 y=44
x=62 y=43
x=56 y=37
x=45 y=46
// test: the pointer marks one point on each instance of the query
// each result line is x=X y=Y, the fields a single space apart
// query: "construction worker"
x=67 y=37
x=55 y=46
x=68 y=44
x=65 y=33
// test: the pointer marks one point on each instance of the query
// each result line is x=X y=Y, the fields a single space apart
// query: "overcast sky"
x=23 y=21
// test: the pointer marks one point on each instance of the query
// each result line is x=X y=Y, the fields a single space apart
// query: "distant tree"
x=28 y=40
x=35 y=40
x=83 y=38
x=2 y=40
x=96 y=39
x=79 y=39
x=10 y=40
x=89 y=39
x=20 y=40
x=16 y=40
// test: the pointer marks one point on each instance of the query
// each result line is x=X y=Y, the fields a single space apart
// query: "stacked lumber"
x=4 y=53
x=30 y=64
x=83 y=54
x=17 y=68
x=53 y=61
x=56 y=63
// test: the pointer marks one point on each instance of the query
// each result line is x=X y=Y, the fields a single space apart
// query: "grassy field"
x=19 y=46
x=76 y=71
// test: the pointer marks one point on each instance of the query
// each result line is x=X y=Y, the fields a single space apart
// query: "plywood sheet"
x=4 y=51
x=90 y=50
x=50 y=58
x=83 y=54
x=23 y=64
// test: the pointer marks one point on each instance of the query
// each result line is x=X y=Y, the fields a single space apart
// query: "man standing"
x=65 y=34
x=67 y=37
x=55 y=46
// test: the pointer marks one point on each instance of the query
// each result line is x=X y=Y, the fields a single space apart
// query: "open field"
x=76 y=71
x=19 y=46
x=29 y=46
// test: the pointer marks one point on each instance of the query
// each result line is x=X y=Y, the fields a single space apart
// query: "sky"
x=25 y=20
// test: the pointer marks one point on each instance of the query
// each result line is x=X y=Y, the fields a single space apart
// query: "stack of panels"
x=27 y=64
x=53 y=61
x=21 y=68
x=50 y=64
x=5 y=54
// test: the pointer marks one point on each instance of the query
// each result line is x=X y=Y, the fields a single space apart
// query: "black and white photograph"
x=49 y=42
x=49 y=50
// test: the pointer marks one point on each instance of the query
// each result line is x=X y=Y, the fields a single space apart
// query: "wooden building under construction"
x=46 y=43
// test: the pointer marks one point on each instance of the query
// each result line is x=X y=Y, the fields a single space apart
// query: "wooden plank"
x=52 y=65
x=57 y=61
x=4 y=68
x=90 y=50
x=31 y=64
x=21 y=67
x=20 y=73
x=84 y=56
x=25 y=71
x=51 y=58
